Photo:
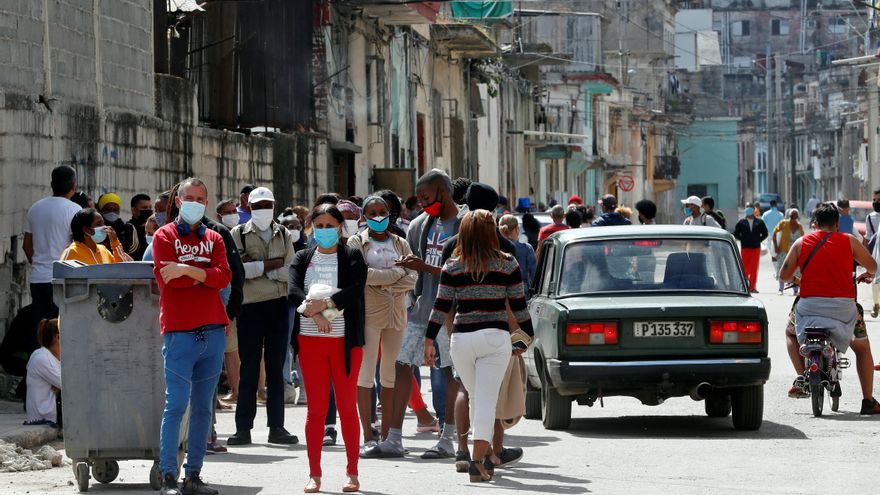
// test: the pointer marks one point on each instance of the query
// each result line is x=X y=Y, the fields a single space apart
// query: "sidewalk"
x=13 y=430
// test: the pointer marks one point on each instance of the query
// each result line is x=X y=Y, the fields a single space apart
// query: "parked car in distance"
x=765 y=199
x=859 y=210
x=650 y=312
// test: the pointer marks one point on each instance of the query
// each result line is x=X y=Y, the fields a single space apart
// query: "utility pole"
x=780 y=174
x=792 y=180
x=803 y=26
x=768 y=89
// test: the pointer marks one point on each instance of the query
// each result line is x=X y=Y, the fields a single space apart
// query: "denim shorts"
x=412 y=349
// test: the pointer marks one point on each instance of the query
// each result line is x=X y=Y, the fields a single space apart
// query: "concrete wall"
x=708 y=154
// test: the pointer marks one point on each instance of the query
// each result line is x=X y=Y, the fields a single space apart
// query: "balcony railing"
x=666 y=167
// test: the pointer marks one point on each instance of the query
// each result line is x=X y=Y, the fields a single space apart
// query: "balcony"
x=464 y=39
x=399 y=12
x=666 y=167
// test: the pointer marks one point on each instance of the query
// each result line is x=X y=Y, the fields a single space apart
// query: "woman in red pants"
x=329 y=337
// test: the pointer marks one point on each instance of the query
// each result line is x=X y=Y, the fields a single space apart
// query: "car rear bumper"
x=672 y=376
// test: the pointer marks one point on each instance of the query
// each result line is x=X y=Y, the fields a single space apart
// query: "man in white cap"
x=266 y=250
x=695 y=216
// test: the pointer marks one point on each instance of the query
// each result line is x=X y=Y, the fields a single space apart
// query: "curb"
x=30 y=438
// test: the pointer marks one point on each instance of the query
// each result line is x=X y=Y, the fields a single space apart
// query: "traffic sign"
x=626 y=183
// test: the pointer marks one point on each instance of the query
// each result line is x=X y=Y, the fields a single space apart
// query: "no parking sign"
x=626 y=183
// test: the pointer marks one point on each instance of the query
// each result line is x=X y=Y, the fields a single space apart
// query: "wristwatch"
x=329 y=302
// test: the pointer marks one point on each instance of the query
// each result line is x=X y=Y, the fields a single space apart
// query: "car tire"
x=748 y=407
x=533 y=402
x=555 y=408
x=718 y=405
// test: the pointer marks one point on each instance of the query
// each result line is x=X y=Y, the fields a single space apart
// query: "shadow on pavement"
x=697 y=427
x=242 y=458
x=528 y=441
x=145 y=488
x=847 y=416
x=544 y=482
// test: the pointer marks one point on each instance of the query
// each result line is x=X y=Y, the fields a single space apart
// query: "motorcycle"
x=823 y=369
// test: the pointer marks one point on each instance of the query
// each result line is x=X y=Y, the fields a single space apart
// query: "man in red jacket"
x=191 y=268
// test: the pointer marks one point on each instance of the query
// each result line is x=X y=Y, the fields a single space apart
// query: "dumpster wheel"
x=155 y=477
x=105 y=471
x=82 y=476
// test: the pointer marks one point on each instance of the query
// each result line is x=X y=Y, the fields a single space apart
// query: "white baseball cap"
x=261 y=194
x=693 y=200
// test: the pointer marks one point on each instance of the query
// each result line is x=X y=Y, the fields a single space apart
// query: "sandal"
x=313 y=486
x=352 y=485
x=478 y=473
x=433 y=426
x=462 y=461
x=436 y=452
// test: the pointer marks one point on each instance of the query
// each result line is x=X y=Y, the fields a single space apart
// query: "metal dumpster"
x=113 y=383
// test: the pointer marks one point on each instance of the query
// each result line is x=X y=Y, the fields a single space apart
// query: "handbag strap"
x=815 y=248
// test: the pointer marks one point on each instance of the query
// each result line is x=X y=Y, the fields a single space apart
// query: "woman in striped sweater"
x=482 y=281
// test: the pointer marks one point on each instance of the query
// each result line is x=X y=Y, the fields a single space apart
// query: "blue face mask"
x=750 y=211
x=687 y=211
x=327 y=238
x=160 y=218
x=149 y=240
x=378 y=224
x=191 y=212
x=100 y=235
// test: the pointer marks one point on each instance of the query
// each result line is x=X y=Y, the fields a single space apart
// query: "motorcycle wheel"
x=835 y=397
x=817 y=396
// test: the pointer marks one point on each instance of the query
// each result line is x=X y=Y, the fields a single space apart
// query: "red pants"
x=322 y=359
x=416 y=403
x=751 y=257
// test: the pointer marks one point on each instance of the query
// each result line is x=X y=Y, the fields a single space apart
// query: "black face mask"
x=876 y=205
x=144 y=215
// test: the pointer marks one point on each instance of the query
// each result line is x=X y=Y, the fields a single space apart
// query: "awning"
x=345 y=147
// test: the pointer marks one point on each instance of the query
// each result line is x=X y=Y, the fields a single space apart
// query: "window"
x=547 y=268
x=741 y=28
x=837 y=25
x=650 y=264
x=779 y=27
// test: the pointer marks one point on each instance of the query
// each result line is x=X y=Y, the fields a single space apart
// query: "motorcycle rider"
x=827 y=297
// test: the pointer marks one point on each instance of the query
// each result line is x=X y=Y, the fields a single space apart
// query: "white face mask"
x=294 y=235
x=350 y=228
x=262 y=218
x=230 y=220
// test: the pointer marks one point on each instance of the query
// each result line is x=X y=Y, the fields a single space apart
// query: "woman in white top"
x=44 y=377
x=385 y=308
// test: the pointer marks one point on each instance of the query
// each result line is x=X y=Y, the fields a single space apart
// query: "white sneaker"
x=779 y=293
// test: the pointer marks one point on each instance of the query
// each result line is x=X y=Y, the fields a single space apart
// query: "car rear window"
x=650 y=265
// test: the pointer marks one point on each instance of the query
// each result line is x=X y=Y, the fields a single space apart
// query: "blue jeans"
x=287 y=368
x=192 y=367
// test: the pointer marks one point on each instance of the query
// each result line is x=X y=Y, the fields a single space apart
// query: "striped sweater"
x=480 y=305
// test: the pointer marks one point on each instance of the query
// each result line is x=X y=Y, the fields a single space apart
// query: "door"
x=343 y=173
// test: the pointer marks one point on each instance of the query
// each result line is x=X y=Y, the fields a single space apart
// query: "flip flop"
x=376 y=452
x=436 y=452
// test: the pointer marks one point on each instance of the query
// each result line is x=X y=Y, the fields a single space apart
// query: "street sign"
x=626 y=183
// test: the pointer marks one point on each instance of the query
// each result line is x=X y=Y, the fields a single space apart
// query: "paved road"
x=623 y=448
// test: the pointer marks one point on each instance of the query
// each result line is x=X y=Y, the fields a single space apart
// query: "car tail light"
x=735 y=332
x=593 y=333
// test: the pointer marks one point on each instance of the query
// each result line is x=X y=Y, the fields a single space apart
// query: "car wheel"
x=748 y=407
x=533 y=402
x=718 y=405
x=555 y=408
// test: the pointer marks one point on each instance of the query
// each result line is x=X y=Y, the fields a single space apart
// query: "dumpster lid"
x=62 y=270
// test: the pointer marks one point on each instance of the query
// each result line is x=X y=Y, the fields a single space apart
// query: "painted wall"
x=708 y=154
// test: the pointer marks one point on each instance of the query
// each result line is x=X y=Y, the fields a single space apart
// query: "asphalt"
x=622 y=448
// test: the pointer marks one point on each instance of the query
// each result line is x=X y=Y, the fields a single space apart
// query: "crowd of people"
x=348 y=298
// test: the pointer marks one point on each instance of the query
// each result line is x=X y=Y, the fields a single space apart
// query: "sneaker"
x=214 y=447
x=169 y=486
x=799 y=389
x=329 y=437
x=279 y=435
x=193 y=485
x=779 y=293
x=367 y=446
x=509 y=456
x=240 y=438
x=289 y=393
x=870 y=407
x=383 y=450
x=434 y=427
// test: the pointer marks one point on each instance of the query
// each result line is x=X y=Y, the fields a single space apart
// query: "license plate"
x=663 y=329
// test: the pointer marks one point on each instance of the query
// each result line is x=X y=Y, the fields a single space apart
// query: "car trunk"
x=661 y=326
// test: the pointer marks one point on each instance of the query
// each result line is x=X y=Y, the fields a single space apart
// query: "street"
x=623 y=448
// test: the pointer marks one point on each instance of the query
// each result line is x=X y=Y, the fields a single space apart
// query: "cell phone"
x=519 y=345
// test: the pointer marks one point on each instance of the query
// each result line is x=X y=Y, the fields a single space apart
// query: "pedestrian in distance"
x=46 y=235
x=266 y=250
x=482 y=281
x=109 y=205
x=141 y=210
x=647 y=211
x=847 y=223
x=525 y=254
x=244 y=207
x=557 y=215
x=531 y=228
x=872 y=226
x=771 y=219
x=385 y=311
x=709 y=209
x=811 y=205
x=43 y=378
x=609 y=216
x=191 y=269
x=694 y=216
x=750 y=231
x=329 y=335
x=91 y=240
x=784 y=236
x=160 y=207
x=573 y=219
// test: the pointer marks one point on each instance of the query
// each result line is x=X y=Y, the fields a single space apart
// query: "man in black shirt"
x=751 y=232
x=141 y=210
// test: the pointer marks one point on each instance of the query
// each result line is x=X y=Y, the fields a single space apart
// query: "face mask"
x=750 y=211
x=144 y=215
x=191 y=212
x=160 y=218
x=434 y=208
x=149 y=240
x=100 y=235
x=378 y=224
x=111 y=217
x=350 y=228
x=327 y=238
x=687 y=211
x=230 y=220
x=876 y=205
x=262 y=219
x=295 y=234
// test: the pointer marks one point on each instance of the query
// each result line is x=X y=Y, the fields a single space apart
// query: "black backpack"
x=719 y=217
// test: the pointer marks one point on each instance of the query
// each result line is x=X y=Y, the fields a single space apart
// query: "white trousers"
x=481 y=359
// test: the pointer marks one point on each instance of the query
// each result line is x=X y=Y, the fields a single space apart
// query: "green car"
x=650 y=312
